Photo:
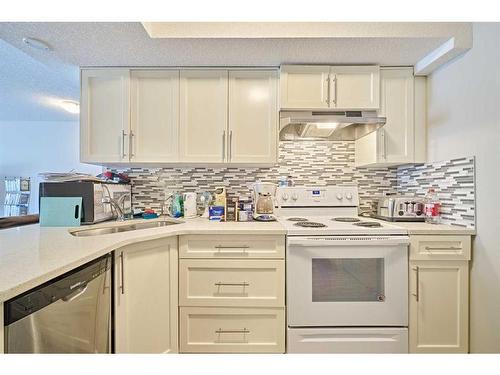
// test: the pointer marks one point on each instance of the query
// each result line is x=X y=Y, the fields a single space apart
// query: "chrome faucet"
x=117 y=204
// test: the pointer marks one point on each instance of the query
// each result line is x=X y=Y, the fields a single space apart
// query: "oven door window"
x=348 y=280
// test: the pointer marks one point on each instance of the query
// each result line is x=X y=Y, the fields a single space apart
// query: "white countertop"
x=31 y=255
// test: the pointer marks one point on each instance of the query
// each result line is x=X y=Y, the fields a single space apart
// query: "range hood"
x=328 y=126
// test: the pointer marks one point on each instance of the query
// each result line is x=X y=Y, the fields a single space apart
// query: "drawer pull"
x=428 y=248
x=243 y=284
x=220 y=330
x=238 y=249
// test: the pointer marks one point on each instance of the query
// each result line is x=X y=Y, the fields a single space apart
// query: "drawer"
x=440 y=247
x=232 y=246
x=232 y=330
x=226 y=282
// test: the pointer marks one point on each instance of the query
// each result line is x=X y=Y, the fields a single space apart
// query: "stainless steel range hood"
x=331 y=126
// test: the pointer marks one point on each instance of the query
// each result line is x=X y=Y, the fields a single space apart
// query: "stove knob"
x=284 y=196
x=295 y=197
x=339 y=196
x=349 y=196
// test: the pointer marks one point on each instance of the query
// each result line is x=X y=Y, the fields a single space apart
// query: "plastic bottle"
x=432 y=207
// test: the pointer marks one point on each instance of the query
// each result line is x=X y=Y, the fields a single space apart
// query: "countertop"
x=31 y=255
x=424 y=228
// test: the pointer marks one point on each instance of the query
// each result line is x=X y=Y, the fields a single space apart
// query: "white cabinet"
x=203 y=116
x=354 y=87
x=146 y=297
x=329 y=87
x=439 y=294
x=154 y=115
x=303 y=86
x=232 y=294
x=104 y=115
x=188 y=116
x=402 y=139
x=253 y=116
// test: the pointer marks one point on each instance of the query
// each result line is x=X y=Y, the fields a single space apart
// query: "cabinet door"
x=397 y=103
x=439 y=311
x=304 y=86
x=203 y=116
x=154 y=115
x=104 y=115
x=253 y=115
x=355 y=87
x=146 y=297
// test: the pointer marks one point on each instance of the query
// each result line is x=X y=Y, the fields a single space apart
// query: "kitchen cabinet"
x=232 y=294
x=439 y=294
x=402 y=139
x=146 y=297
x=104 y=115
x=253 y=116
x=329 y=87
x=203 y=116
x=154 y=122
x=172 y=116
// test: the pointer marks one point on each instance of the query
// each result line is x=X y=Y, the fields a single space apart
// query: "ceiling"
x=29 y=78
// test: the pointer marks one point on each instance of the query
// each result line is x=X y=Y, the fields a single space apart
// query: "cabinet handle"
x=223 y=145
x=131 y=144
x=123 y=143
x=230 y=145
x=122 y=274
x=334 y=88
x=384 y=149
x=243 y=284
x=428 y=248
x=242 y=248
x=220 y=330
x=327 y=80
x=417 y=291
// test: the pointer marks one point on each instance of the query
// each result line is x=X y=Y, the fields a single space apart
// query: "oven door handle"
x=348 y=241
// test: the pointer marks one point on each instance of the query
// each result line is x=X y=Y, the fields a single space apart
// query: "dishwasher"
x=69 y=314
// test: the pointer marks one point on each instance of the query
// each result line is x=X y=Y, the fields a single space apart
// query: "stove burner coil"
x=309 y=224
x=297 y=219
x=368 y=224
x=346 y=219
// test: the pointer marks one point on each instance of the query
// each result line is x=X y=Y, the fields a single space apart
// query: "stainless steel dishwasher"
x=69 y=314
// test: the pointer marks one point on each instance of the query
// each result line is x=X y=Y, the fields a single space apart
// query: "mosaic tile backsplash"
x=320 y=163
x=454 y=183
x=308 y=162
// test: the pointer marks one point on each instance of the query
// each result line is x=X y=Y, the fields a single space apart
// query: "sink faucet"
x=117 y=204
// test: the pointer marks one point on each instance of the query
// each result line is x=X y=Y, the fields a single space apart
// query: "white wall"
x=463 y=120
x=28 y=148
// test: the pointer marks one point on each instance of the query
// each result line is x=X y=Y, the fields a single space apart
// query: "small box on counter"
x=232 y=209
x=216 y=213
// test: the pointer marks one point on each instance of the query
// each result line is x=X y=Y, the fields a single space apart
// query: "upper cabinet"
x=203 y=116
x=104 y=115
x=188 y=116
x=253 y=116
x=402 y=139
x=330 y=87
x=154 y=115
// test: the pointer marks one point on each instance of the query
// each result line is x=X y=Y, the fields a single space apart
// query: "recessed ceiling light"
x=36 y=44
x=70 y=105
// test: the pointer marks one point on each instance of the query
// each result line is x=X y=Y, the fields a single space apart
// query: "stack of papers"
x=69 y=176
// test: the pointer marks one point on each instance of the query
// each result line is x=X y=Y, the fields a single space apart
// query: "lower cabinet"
x=439 y=294
x=232 y=294
x=232 y=330
x=146 y=297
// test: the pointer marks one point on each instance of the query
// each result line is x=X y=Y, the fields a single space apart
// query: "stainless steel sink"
x=123 y=228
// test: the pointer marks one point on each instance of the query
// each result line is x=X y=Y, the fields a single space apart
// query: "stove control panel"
x=318 y=196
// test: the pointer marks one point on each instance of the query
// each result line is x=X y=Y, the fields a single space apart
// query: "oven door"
x=347 y=281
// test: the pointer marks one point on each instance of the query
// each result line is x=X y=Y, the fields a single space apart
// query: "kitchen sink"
x=123 y=228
